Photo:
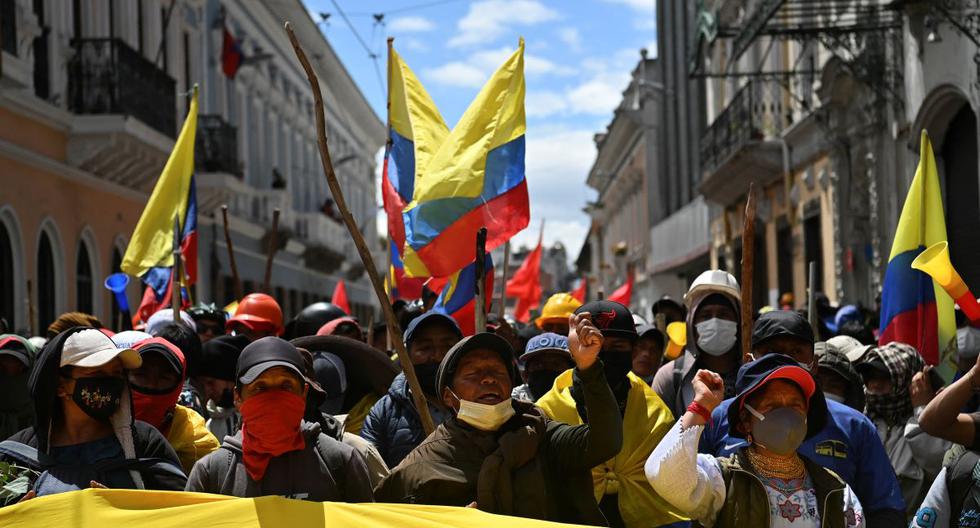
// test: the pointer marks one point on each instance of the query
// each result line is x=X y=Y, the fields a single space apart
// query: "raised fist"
x=709 y=389
x=584 y=340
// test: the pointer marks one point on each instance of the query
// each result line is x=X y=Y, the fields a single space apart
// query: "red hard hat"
x=257 y=309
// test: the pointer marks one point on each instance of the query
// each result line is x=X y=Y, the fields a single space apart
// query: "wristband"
x=701 y=411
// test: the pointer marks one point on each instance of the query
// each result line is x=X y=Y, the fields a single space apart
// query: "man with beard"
x=394 y=425
x=625 y=498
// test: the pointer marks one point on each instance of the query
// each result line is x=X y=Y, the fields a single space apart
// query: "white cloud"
x=571 y=37
x=644 y=6
x=598 y=95
x=478 y=67
x=487 y=20
x=411 y=24
x=414 y=44
x=543 y=103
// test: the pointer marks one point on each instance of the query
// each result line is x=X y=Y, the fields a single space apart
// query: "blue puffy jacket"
x=394 y=426
x=848 y=445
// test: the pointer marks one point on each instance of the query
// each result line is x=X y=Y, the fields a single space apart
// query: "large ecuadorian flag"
x=149 y=255
x=441 y=186
x=915 y=310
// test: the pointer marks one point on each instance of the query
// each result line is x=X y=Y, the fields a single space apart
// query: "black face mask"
x=227 y=399
x=616 y=366
x=541 y=381
x=426 y=373
x=99 y=397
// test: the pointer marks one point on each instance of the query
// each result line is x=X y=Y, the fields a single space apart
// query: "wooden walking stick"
x=394 y=329
x=480 y=310
x=271 y=254
x=231 y=255
x=748 y=267
x=175 y=280
x=503 y=282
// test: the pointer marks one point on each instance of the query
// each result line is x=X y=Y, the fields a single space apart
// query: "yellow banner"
x=99 y=508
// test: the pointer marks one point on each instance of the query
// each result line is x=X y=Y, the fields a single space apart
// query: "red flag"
x=579 y=292
x=526 y=285
x=231 y=55
x=624 y=294
x=339 y=297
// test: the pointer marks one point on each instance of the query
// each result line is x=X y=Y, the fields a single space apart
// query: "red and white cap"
x=92 y=348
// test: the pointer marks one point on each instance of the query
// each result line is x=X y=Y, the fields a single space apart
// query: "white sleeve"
x=934 y=510
x=853 y=511
x=690 y=482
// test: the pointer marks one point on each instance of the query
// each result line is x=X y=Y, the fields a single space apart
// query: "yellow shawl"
x=647 y=420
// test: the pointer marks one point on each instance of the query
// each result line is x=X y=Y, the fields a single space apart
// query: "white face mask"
x=482 y=416
x=833 y=397
x=716 y=336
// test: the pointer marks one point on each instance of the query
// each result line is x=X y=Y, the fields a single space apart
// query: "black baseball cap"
x=611 y=318
x=482 y=340
x=219 y=356
x=781 y=323
x=262 y=354
x=754 y=374
x=431 y=318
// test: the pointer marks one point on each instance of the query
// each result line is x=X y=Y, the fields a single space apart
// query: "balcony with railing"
x=106 y=76
x=739 y=145
x=126 y=112
x=217 y=146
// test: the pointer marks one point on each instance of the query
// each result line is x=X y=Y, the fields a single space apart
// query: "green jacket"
x=747 y=504
x=532 y=467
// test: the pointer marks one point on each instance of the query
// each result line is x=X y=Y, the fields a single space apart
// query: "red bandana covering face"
x=154 y=406
x=271 y=427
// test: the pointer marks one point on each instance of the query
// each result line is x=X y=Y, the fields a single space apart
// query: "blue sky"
x=578 y=58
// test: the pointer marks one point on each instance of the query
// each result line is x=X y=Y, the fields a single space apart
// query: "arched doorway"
x=8 y=302
x=46 y=285
x=962 y=200
x=84 y=291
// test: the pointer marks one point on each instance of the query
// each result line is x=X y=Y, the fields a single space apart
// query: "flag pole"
x=394 y=329
x=389 y=279
x=748 y=267
x=231 y=254
x=175 y=281
x=271 y=254
x=503 y=281
x=480 y=310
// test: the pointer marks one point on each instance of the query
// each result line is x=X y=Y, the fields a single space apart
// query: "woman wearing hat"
x=765 y=483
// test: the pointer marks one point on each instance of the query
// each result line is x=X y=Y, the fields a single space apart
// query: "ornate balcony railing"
x=217 y=146
x=105 y=76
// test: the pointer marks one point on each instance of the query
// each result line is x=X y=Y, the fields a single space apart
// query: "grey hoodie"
x=336 y=473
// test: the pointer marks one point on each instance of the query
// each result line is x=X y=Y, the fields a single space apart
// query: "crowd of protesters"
x=581 y=416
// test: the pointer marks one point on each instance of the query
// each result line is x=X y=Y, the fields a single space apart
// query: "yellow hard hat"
x=557 y=309
x=677 y=340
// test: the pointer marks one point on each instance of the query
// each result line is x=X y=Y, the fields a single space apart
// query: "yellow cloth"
x=99 y=508
x=153 y=239
x=190 y=438
x=647 y=420
x=358 y=413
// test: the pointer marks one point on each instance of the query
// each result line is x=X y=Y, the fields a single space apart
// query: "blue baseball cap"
x=546 y=343
x=430 y=318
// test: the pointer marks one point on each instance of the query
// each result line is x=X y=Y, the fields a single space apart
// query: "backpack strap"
x=21 y=453
x=962 y=475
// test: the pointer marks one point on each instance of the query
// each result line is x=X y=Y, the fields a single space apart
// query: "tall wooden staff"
x=394 y=329
x=231 y=255
x=271 y=254
x=503 y=281
x=480 y=310
x=748 y=267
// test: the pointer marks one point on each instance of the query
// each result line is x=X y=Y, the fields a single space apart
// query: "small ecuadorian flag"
x=915 y=310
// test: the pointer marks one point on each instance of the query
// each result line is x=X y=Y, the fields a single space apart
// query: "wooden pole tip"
x=224 y=207
x=288 y=26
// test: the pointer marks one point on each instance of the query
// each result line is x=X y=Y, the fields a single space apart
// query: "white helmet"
x=713 y=281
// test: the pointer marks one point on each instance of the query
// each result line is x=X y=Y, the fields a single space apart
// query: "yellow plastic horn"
x=676 y=340
x=935 y=262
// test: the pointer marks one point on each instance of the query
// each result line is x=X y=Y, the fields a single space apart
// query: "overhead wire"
x=371 y=54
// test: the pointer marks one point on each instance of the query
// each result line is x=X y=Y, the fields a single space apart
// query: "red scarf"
x=270 y=427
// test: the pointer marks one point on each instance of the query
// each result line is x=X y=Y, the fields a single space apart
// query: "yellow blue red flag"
x=149 y=255
x=914 y=309
x=440 y=186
